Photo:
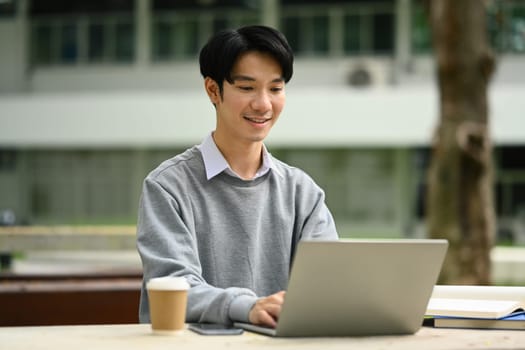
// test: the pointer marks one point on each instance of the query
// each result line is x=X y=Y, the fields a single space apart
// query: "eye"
x=245 y=88
x=276 y=89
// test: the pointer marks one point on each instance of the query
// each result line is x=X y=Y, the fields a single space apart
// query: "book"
x=477 y=308
x=515 y=321
x=495 y=307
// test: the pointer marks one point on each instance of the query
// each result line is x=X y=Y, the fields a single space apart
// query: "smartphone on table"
x=214 y=329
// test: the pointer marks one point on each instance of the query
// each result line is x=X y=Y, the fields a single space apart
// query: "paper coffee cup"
x=167 y=298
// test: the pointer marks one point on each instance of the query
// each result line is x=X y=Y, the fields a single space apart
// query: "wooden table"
x=139 y=336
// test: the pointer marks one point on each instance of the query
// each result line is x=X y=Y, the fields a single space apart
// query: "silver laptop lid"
x=360 y=287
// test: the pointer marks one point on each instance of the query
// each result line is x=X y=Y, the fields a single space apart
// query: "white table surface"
x=139 y=336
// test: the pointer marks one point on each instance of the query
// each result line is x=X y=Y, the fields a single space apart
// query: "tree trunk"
x=460 y=200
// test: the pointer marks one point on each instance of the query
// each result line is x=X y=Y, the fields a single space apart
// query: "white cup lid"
x=168 y=283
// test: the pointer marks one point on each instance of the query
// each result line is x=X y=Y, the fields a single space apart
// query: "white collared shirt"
x=215 y=163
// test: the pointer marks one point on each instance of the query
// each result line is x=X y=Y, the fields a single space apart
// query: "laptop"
x=358 y=288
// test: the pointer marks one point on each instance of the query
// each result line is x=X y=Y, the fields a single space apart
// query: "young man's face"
x=251 y=105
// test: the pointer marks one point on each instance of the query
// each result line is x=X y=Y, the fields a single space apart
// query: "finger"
x=273 y=310
x=277 y=298
x=261 y=317
x=267 y=320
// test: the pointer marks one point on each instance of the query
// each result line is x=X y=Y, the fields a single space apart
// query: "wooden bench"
x=31 y=300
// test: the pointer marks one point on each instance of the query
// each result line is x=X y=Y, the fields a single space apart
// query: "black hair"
x=222 y=50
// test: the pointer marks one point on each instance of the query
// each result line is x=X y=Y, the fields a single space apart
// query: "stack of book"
x=481 y=307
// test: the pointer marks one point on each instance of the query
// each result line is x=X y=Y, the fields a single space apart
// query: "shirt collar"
x=215 y=163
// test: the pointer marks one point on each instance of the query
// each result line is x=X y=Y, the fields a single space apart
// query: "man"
x=226 y=215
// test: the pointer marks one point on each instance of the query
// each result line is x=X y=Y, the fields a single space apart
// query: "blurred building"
x=95 y=93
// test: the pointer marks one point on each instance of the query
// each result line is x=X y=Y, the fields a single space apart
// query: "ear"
x=212 y=89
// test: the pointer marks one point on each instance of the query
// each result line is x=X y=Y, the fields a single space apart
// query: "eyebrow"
x=248 y=78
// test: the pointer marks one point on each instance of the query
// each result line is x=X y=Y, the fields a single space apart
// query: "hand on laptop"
x=266 y=310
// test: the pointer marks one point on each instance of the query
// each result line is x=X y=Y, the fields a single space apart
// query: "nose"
x=262 y=102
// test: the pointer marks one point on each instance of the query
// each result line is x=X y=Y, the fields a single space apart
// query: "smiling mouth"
x=257 y=120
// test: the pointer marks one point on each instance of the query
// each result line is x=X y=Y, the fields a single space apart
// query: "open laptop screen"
x=360 y=287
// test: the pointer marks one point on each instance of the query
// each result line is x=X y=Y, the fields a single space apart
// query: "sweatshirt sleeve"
x=167 y=246
x=316 y=220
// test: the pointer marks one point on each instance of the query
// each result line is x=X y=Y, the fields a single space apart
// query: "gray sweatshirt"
x=233 y=240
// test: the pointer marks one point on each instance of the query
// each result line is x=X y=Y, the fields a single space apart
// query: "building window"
x=97 y=42
x=83 y=39
x=307 y=34
x=85 y=32
x=175 y=37
x=68 y=38
x=292 y=30
x=7 y=8
x=510 y=192
x=178 y=34
x=352 y=34
x=43 y=43
x=421 y=36
x=82 y=31
x=124 y=41
x=383 y=27
x=8 y=160
x=336 y=28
